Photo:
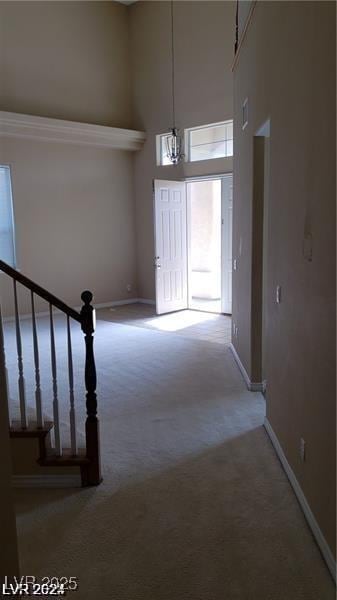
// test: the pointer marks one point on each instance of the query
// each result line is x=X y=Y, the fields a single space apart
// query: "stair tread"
x=67 y=459
x=32 y=429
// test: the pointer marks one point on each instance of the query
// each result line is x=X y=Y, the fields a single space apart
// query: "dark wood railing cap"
x=87 y=313
x=86 y=296
x=39 y=291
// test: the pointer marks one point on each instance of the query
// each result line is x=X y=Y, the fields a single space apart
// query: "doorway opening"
x=209 y=229
x=261 y=160
x=193 y=244
x=204 y=252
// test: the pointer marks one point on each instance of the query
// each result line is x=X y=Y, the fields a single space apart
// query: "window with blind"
x=7 y=241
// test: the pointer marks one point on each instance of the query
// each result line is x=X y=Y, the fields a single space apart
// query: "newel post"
x=92 y=474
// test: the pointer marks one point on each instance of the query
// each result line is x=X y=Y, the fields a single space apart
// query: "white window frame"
x=187 y=137
x=159 y=156
x=11 y=228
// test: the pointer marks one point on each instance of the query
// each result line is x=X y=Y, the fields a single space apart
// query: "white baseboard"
x=99 y=305
x=114 y=303
x=122 y=303
x=318 y=535
x=146 y=301
x=251 y=385
x=46 y=481
x=45 y=313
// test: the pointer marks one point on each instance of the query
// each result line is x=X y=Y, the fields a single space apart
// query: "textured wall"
x=290 y=78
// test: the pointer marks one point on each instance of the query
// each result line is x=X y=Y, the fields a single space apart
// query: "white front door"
x=170 y=259
x=227 y=226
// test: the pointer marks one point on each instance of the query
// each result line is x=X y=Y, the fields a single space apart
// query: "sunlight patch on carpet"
x=180 y=320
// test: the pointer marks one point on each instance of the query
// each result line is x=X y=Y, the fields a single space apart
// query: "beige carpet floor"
x=191 y=324
x=194 y=504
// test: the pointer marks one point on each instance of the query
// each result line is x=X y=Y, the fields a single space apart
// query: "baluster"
x=21 y=380
x=93 y=473
x=4 y=395
x=56 y=416
x=72 y=416
x=38 y=397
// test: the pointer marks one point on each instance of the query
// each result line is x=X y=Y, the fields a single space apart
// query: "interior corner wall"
x=291 y=79
x=74 y=221
x=204 y=42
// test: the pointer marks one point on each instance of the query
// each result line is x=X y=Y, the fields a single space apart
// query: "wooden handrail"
x=40 y=291
x=91 y=468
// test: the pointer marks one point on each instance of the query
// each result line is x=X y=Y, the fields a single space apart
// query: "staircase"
x=47 y=432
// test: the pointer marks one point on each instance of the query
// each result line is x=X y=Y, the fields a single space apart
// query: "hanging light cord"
x=172 y=47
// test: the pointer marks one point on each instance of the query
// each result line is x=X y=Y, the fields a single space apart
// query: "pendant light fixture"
x=174 y=142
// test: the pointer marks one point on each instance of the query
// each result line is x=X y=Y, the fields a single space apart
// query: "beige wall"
x=204 y=40
x=67 y=60
x=290 y=78
x=74 y=218
x=70 y=60
x=74 y=206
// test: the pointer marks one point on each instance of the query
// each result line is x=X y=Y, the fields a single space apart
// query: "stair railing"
x=90 y=465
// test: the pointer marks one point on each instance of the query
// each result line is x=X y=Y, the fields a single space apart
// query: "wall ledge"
x=243 y=35
x=56 y=130
x=256 y=386
x=318 y=535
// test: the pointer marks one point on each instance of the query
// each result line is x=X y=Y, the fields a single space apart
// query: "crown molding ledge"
x=70 y=132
